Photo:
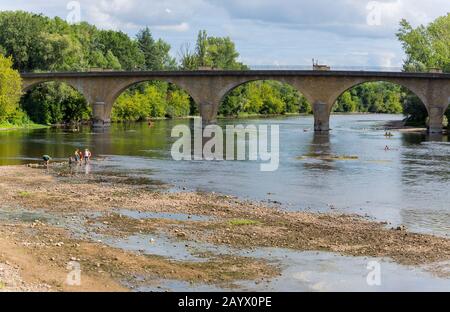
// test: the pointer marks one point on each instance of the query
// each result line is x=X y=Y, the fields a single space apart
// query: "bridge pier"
x=436 y=119
x=321 y=113
x=99 y=116
x=208 y=112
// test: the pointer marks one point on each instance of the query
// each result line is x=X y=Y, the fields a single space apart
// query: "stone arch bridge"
x=208 y=88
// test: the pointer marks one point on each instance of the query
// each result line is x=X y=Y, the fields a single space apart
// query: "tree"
x=415 y=112
x=156 y=53
x=189 y=60
x=214 y=52
x=426 y=46
x=346 y=103
x=55 y=103
x=126 y=50
x=201 y=49
x=222 y=54
x=10 y=90
x=18 y=36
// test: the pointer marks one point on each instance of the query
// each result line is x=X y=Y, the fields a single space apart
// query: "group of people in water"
x=388 y=134
x=80 y=157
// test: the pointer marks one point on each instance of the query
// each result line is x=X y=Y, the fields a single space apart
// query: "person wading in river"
x=46 y=159
x=87 y=156
x=77 y=157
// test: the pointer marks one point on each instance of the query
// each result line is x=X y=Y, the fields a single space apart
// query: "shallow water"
x=162 y=215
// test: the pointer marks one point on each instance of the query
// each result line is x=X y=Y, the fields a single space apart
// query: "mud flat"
x=400 y=126
x=128 y=232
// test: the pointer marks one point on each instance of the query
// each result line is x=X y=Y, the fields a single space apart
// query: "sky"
x=266 y=32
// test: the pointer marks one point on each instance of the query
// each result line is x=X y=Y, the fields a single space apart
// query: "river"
x=408 y=184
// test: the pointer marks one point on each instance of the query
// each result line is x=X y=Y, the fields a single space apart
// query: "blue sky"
x=266 y=32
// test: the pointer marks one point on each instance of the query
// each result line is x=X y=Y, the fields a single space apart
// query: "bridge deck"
x=260 y=73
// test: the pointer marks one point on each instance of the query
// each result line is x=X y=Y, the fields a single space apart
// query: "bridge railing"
x=337 y=68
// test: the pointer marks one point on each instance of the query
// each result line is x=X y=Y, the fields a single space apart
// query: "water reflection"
x=425 y=175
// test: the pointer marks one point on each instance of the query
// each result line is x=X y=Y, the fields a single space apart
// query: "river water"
x=408 y=184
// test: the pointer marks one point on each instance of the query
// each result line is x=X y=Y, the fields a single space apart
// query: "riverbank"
x=41 y=239
x=31 y=126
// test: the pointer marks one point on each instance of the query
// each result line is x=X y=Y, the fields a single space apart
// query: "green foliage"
x=178 y=104
x=243 y=222
x=151 y=100
x=10 y=92
x=55 y=103
x=347 y=102
x=126 y=50
x=372 y=97
x=156 y=53
x=211 y=52
x=39 y=43
x=264 y=97
x=415 y=112
x=426 y=46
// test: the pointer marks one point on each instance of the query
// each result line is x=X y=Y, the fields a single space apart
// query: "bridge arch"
x=304 y=104
x=421 y=99
x=229 y=87
x=29 y=85
x=131 y=83
x=411 y=87
x=69 y=103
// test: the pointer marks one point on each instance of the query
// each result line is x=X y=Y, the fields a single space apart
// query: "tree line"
x=33 y=42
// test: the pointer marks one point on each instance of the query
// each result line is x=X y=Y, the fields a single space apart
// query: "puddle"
x=177 y=286
x=157 y=245
x=162 y=215
x=321 y=271
x=312 y=271
x=24 y=216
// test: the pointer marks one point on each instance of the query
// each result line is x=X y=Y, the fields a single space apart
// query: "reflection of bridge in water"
x=208 y=88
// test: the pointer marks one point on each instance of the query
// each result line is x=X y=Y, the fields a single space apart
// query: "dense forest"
x=33 y=43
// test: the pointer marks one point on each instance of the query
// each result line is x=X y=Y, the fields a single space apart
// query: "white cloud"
x=182 y=27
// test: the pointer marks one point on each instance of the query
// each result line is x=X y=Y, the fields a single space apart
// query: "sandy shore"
x=39 y=250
